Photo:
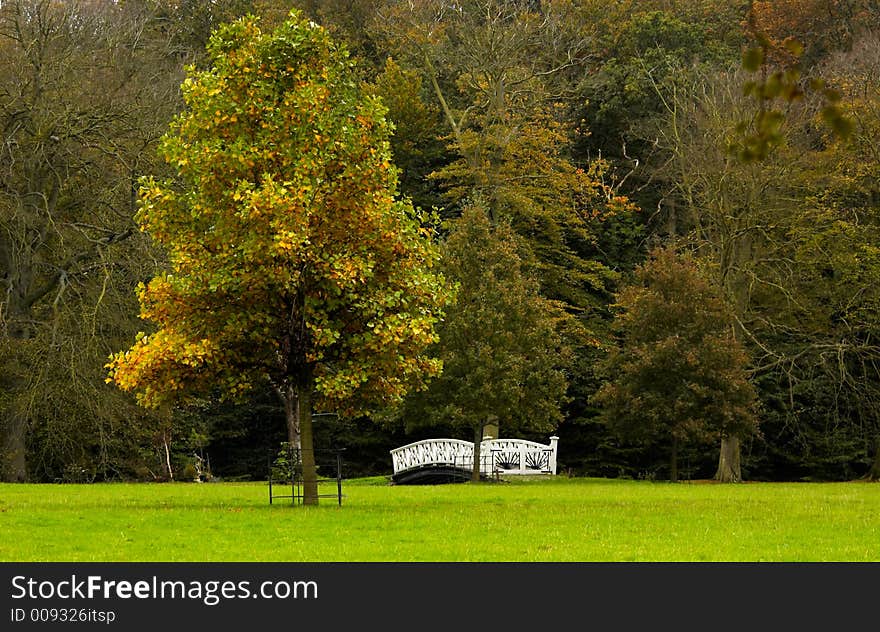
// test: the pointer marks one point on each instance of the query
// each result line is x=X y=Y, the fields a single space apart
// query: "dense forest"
x=657 y=219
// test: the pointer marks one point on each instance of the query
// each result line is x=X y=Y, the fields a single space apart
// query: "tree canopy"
x=293 y=262
x=680 y=372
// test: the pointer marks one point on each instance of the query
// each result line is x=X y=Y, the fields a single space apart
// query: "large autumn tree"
x=292 y=261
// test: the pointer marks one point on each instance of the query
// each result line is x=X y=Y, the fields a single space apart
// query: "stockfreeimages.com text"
x=209 y=592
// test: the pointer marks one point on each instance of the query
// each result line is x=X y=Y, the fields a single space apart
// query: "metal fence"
x=286 y=474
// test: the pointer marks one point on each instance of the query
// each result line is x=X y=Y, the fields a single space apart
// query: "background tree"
x=833 y=339
x=186 y=26
x=292 y=263
x=84 y=96
x=734 y=214
x=822 y=27
x=680 y=372
x=758 y=224
x=504 y=359
x=416 y=144
x=497 y=71
x=642 y=55
x=504 y=77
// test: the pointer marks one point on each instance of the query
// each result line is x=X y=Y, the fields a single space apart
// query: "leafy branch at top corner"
x=775 y=86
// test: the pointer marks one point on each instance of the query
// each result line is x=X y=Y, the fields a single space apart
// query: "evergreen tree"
x=503 y=357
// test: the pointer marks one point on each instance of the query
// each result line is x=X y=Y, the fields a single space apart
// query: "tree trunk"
x=297 y=402
x=304 y=407
x=168 y=467
x=729 y=470
x=874 y=472
x=673 y=461
x=13 y=459
x=287 y=394
x=478 y=438
x=13 y=422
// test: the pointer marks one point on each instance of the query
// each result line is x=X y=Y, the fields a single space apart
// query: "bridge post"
x=554 y=446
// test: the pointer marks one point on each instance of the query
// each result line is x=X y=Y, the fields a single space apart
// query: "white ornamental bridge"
x=442 y=460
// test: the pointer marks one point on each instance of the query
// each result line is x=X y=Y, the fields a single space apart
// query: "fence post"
x=554 y=446
x=339 y=477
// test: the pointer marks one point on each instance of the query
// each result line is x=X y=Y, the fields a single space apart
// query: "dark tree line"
x=587 y=133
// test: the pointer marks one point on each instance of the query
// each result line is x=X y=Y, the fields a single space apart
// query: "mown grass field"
x=556 y=519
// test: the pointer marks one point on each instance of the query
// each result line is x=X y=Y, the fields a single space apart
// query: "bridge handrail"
x=426 y=441
x=525 y=456
x=443 y=451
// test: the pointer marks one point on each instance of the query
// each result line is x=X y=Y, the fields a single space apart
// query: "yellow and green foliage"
x=292 y=259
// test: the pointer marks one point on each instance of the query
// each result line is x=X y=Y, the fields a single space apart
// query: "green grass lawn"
x=555 y=519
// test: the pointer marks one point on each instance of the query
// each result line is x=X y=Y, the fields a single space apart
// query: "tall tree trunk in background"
x=729 y=470
x=14 y=424
x=673 y=461
x=874 y=472
x=166 y=446
x=478 y=438
x=13 y=458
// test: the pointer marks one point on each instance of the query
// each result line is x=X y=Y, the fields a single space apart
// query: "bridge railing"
x=518 y=456
x=505 y=456
x=430 y=452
